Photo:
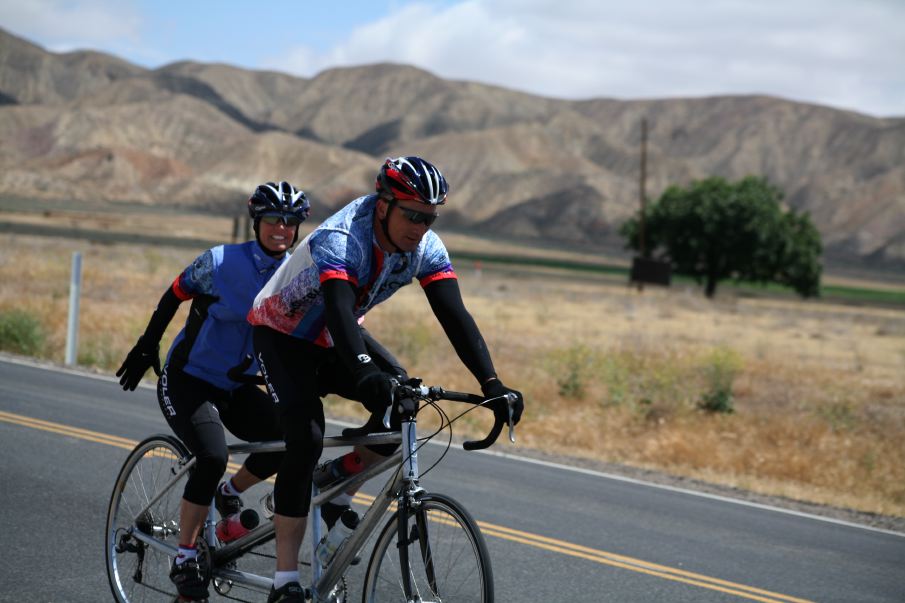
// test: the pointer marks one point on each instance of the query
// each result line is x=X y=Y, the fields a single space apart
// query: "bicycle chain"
x=344 y=589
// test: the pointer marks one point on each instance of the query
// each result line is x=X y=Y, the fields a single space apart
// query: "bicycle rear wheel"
x=138 y=572
x=442 y=556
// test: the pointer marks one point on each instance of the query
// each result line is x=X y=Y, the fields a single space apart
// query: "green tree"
x=715 y=230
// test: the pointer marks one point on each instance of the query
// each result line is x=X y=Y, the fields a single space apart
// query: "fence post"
x=75 y=287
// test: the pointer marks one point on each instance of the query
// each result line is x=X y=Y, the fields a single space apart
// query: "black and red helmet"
x=412 y=179
x=278 y=199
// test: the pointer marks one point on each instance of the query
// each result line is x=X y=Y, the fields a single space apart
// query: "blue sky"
x=848 y=54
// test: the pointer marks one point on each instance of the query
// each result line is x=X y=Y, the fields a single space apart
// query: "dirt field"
x=609 y=373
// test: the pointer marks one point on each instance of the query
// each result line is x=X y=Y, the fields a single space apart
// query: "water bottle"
x=336 y=537
x=330 y=472
x=237 y=525
x=267 y=505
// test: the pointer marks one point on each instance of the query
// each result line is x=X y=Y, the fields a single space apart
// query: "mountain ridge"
x=87 y=125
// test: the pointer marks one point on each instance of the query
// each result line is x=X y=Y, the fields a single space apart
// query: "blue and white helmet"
x=412 y=179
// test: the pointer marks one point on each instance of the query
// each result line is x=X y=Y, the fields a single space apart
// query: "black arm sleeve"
x=160 y=319
x=446 y=302
x=339 y=300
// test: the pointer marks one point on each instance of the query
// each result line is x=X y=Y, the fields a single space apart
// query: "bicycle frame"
x=402 y=487
x=323 y=580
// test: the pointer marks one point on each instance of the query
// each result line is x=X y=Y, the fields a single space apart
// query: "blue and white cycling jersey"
x=223 y=281
x=343 y=247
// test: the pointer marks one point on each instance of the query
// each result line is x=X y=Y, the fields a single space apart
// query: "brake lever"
x=510 y=402
x=389 y=410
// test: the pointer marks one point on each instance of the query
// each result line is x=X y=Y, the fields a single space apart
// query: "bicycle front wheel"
x=136 y=570
x=437 y=555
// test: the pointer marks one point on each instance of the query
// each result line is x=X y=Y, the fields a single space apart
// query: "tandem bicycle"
x=428 y=548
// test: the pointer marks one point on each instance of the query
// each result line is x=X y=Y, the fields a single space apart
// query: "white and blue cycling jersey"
x=222 y=282
x=343 y=247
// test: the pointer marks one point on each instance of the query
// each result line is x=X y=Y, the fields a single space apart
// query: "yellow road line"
x=488 y=529
x=640 y=566
x=67 y=430
x=621 y=560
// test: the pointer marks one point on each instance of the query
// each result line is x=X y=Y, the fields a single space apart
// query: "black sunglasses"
x=418 y=217
x=287 y=220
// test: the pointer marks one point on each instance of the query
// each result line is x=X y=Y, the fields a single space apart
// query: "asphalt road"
x=554 y=533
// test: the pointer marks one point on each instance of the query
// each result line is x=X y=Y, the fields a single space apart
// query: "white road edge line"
x=506 y=455
x=717 y=497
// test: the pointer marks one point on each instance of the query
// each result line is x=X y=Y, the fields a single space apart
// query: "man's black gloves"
x=142 y=357
x=375 y=388
x=495 y=389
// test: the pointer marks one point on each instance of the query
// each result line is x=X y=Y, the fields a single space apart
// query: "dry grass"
x=608 y=372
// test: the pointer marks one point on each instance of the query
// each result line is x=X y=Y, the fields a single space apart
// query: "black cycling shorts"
x=298 y=374
x=197 y=412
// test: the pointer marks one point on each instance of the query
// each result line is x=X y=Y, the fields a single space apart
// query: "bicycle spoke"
x=445 y=557
x=138 y=572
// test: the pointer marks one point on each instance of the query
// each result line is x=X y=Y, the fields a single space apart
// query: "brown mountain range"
x=85 y=126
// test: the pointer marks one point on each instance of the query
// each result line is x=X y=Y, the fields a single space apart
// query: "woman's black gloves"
x=142 y=357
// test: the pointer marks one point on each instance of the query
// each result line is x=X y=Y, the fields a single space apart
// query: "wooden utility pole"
x=644 y=268
x=641 y=186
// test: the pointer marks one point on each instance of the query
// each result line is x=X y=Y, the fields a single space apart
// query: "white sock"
x=228 y=488
x=281 y=579
x=342 y=500
x=185 y=553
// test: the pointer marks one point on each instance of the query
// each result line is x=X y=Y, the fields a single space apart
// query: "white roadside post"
x=75 y=287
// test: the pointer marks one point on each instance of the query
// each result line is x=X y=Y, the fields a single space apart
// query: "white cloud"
x=838 y=52
x=843 y=53
x=65 y=25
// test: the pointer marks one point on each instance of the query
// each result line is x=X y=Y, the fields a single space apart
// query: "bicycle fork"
x=405 y=485
x=409 y=505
